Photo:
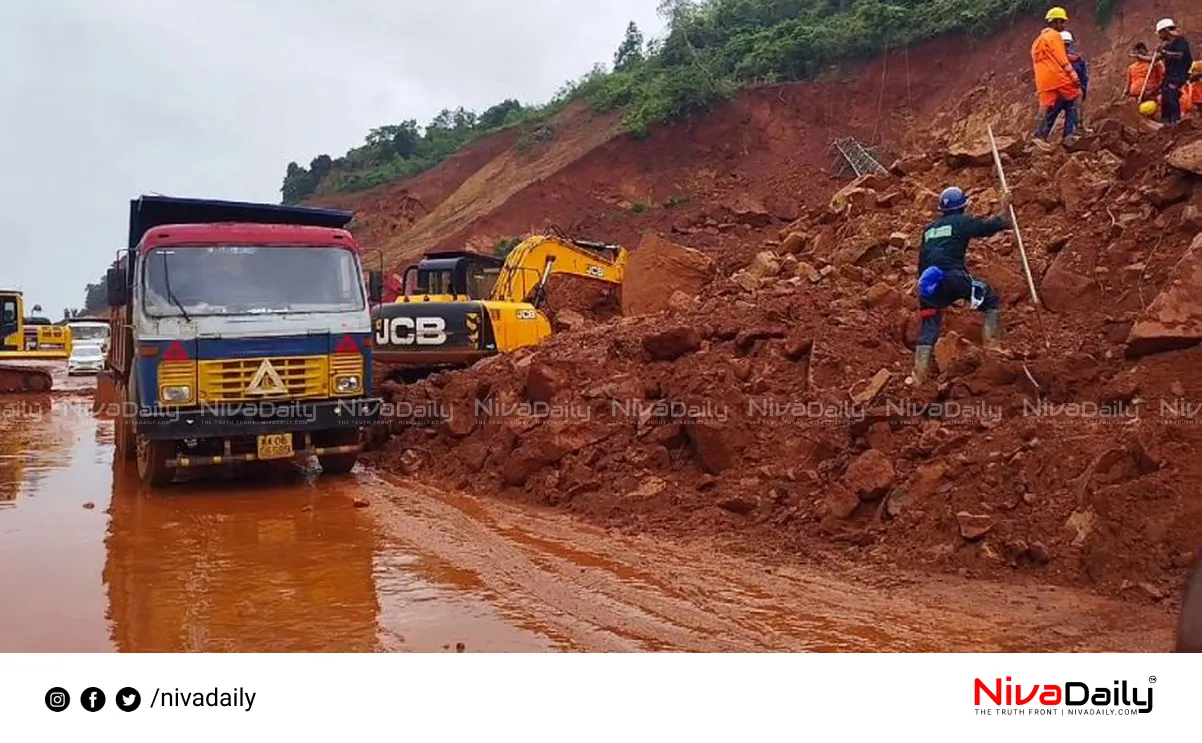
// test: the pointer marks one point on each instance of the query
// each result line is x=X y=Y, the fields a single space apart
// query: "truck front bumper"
x=252 y=419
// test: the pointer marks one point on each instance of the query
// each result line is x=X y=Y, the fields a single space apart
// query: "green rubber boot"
x=922 y=363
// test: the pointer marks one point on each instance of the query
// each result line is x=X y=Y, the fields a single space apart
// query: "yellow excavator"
x=25 y=338
x=466 y=306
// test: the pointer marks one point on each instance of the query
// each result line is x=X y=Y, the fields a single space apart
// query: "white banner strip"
x=571 y=697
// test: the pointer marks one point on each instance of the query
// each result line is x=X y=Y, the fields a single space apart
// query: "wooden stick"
x=1018 y=236
x=1147 y=78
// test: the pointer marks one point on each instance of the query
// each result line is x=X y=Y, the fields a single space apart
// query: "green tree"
x=299 y=183
x=496 y=116
x=95 y=297
x=630 y=52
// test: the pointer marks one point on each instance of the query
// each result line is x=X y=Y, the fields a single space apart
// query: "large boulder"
x=1187 y=157
x=658 y=268
x=550 y=443
x=1174 y=319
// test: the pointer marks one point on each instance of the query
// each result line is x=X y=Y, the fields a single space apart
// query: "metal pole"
x=997 y=159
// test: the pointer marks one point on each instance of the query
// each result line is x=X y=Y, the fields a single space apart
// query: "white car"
x=86 y=358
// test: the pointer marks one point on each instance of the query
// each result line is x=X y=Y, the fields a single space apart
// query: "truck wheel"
x=337 y=464
x=152 y=461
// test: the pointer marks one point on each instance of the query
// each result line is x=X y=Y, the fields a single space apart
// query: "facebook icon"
x=92 y=699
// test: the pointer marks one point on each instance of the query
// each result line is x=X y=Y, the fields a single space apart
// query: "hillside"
x=813 y=305
x=770 y=146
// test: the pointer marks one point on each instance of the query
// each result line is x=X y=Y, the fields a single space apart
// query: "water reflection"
x=277 y=567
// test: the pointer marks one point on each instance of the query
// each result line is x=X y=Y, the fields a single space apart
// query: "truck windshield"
x=230 y=280
x=89 y=332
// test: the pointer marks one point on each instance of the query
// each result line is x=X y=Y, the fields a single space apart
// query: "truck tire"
x=339 y=464
x=152 y=461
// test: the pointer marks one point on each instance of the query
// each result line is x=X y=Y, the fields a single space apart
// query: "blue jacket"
x=945 y=240
x=1081 y=66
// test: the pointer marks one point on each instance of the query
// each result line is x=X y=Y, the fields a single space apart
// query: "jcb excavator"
x=466 y=306
x=26 y=338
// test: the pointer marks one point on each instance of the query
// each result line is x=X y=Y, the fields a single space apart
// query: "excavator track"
x=17 y=379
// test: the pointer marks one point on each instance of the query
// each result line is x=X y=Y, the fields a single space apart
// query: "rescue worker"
x=1137 y=73
x=1081 y=67
x=1055 y=79
x=1178 y=59
x=943 y=277
x=1191 y=94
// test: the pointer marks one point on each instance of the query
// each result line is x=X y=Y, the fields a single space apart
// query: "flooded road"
x=289 y=561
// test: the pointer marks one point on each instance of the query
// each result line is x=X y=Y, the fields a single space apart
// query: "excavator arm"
x=528 y=266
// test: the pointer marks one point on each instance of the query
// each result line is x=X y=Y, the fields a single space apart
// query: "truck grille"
x=228 y=380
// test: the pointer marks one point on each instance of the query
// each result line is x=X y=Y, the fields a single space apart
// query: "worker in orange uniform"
x=1191 y=92
x=1056 y=81
x=1138 y=72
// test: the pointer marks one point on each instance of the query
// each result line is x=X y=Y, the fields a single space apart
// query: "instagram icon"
x=57 y=699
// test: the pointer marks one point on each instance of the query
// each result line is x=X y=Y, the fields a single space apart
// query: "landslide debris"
x=768 y=407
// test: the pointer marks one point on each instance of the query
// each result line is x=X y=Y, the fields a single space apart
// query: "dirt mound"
x=575 y=300
x=774 y=409
x=657 y=270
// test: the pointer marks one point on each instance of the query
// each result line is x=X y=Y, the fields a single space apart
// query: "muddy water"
x=285 y=560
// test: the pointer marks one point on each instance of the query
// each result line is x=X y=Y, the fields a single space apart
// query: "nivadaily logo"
x=1072 y=697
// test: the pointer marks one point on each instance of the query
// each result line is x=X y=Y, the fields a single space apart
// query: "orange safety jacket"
x=1136 y=74
x=1053 y=72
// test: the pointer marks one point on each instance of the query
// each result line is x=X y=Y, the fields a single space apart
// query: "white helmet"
x=1066 y=36
x=1165 y=24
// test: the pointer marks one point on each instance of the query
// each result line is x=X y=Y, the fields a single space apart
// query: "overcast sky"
x=104 y=100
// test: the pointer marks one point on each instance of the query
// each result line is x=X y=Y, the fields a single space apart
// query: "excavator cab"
x=12 y=337
x=451 y=276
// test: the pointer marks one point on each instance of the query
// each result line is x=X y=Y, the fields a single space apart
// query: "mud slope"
x=769 y=411
x=386 y=211
x=769 y=150
x=772 y=410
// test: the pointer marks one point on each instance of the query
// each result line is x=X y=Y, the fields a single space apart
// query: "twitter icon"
x=128 y=699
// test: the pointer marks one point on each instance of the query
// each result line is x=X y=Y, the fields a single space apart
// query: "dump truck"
x=25 y=338
x=240 y=332
x=460 y=307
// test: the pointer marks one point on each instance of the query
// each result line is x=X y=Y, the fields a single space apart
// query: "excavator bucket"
x=24 y=379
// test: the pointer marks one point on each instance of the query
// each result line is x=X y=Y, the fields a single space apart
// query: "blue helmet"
x=952 y=200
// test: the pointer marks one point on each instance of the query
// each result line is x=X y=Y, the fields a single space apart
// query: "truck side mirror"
x=115 y=287
x=375 y=287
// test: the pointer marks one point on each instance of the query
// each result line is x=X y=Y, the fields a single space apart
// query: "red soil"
x=661 y=424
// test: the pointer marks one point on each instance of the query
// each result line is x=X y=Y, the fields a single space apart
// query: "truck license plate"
x=275 y=446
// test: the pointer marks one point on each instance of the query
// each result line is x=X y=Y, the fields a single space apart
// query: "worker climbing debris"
x=1081 y=67
x=1178 y=59
x=1056 y=82
x=1145 y=76
x=943 y=277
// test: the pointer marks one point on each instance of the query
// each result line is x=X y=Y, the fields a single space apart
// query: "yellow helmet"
x=1148 y=108
x=1196 y=68
x=1057 y=14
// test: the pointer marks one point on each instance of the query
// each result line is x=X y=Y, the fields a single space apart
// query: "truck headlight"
x=176 y=394
x=349 y=383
